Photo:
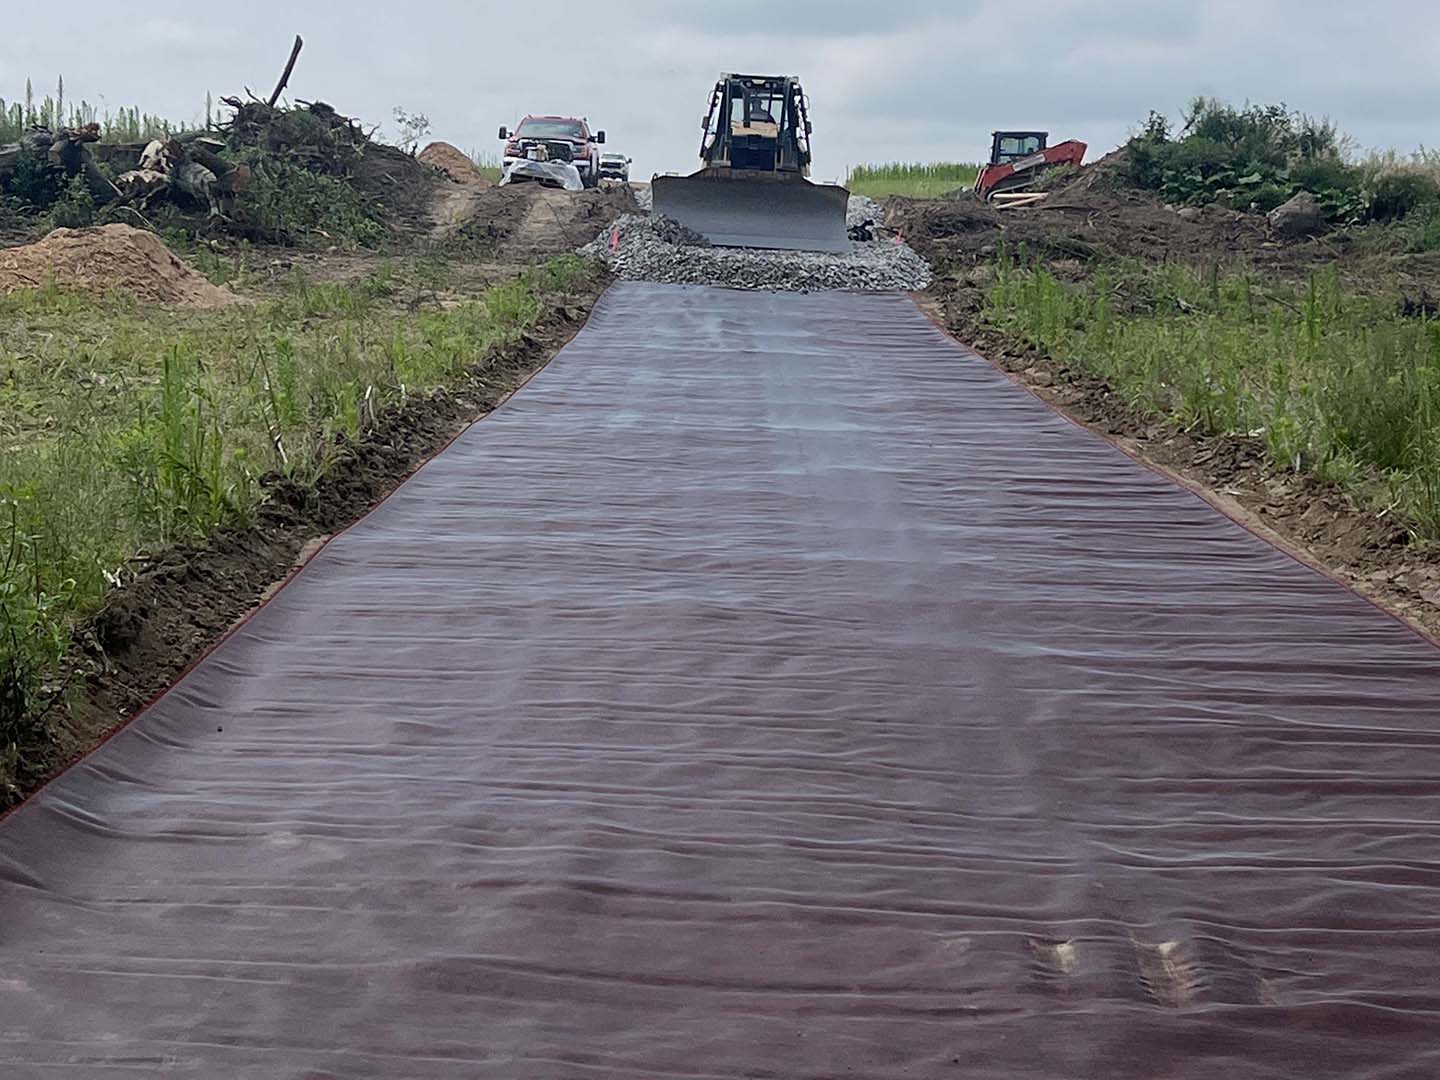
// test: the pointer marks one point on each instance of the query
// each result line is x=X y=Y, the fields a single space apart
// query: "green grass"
x=126 y=428
x=917 y=181
x=1336 y=383
x=489 y=165
x=54 y=112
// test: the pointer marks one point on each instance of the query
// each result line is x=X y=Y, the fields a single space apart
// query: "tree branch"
x=289 y=67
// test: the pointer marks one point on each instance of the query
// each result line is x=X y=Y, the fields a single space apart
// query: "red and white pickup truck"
x=565 y=134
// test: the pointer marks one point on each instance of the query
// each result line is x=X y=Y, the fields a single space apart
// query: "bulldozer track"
x=770 y=688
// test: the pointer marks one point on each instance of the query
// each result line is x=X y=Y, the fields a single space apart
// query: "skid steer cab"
x=1018 y=159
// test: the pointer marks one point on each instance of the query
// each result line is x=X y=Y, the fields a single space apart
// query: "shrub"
x=1254 y=157
x=1399 y=193
x=32 y=180
x=75 y=209
x=288 y=204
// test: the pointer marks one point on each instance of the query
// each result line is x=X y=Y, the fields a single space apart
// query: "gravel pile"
x=657 y=249
x=643 y=198
x=861 y=209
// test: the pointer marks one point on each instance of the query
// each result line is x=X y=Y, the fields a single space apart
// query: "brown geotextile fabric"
x=770 y=689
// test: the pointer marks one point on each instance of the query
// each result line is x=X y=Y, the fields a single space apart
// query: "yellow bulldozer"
x=753 y=189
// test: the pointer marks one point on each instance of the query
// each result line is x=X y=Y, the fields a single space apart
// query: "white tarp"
x=551 y=173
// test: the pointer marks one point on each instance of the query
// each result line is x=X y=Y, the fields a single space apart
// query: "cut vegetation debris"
x=271 y=175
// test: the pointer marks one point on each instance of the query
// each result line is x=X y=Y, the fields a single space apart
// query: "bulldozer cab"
x=1011 y=146
x=752 y=189
x=757 y=122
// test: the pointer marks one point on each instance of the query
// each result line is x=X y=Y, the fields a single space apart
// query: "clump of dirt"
x=453 y=163
x=116 y=258
x=527 y=223
x=188 y=597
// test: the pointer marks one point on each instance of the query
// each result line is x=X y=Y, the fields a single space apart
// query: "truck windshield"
x=549 y=129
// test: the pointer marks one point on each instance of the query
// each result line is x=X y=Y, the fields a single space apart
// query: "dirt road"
x=524 y=223
x=770 y=688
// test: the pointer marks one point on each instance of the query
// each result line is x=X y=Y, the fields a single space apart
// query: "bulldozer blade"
x=751 y=210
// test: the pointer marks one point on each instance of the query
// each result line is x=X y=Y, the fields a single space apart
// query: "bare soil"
x=111 y=258
x=188 y=596
x=527 y=223
x=454 y=163
x=1096 y=218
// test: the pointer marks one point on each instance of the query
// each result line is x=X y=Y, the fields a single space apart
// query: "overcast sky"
x=897 y=80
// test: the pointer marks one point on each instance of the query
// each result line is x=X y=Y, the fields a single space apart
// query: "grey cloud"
x=801 y=21
x=911 y=79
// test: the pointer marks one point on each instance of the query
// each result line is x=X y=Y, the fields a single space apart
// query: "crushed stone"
x=657 y=249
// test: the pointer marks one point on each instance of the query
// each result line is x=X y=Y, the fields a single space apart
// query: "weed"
x=488 y=163
x=75 y=209
x=132 y=427
x=1335 y=383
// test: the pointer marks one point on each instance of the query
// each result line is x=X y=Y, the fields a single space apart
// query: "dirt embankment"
x=188 y=597
x=111 y=258
x=1097 y=218
x=527 y=223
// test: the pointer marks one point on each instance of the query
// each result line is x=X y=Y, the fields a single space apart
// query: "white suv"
x=615 y=167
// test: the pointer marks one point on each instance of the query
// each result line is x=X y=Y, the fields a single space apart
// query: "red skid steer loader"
x=1019 y=158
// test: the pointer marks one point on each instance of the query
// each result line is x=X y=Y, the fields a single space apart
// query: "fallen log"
x=1016 y=199
x=66 y=151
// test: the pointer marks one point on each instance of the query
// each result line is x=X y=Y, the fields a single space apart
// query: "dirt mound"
x=116 y=258
x=525 y=223
x=1106 y=174
x=453 y=163
x=1092 y=217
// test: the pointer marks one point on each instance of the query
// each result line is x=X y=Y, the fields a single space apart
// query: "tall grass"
x=488 y=162
x=54 y=112
x=1335 y=383
x=916 y=180
x=128 y=428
